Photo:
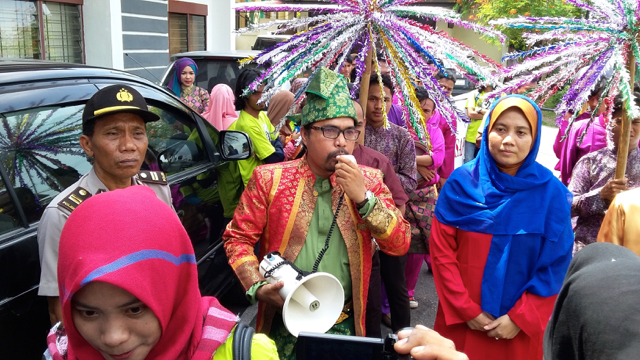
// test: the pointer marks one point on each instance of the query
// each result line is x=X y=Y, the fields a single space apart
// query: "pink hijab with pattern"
x=148 y=253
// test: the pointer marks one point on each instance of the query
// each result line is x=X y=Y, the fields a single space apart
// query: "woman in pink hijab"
x=222 y=111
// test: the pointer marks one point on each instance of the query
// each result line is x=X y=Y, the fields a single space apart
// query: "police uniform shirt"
x=56 y=213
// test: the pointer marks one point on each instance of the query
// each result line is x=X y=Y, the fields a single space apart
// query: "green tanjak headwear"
x=327 y=98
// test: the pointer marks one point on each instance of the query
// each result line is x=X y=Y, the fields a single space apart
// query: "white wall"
x=220 y=22
x=99 y=34
x=473 y=40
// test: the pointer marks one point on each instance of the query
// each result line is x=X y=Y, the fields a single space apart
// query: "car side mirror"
x=235 y=145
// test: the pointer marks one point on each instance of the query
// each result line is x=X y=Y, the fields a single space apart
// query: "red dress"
x=458 y=260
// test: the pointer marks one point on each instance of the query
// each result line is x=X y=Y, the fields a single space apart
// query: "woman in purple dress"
x=592 y=181
x=183 y=85
x=422 y=201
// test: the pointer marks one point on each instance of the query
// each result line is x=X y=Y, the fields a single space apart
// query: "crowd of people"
x=504 y=237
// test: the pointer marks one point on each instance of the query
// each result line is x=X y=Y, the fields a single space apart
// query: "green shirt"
x=336 y=260
x=261 y=133
x=262 y=348
x=475 y=100
x=229 y=187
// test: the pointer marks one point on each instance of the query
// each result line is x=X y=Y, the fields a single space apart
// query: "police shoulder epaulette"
x=74 y=199
x=152 y=177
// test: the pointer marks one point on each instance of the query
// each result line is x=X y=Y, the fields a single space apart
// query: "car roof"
x=233 y=54
x=28 y=70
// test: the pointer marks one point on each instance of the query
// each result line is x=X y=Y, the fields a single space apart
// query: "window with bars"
x=187 y=33
x=41 y=30
x=20 y=30
x=62 y=28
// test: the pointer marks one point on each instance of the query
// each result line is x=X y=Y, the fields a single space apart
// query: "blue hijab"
x=529 y=216
x=174 y=83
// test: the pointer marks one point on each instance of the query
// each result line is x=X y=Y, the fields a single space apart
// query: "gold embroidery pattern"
x=380 y=220
x=303 y=212
x=385 y=221
x=248 y=274
x=359 y=269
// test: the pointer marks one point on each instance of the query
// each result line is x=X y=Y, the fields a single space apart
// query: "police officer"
x=114 y=135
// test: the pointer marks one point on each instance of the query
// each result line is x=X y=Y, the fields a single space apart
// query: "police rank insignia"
x=74 y=199
x=124 y=96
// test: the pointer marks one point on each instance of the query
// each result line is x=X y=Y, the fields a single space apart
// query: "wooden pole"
x=623 y=143
x=364 y=88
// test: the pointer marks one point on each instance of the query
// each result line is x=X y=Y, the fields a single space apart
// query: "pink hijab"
x=149 y=255
x=222 y=111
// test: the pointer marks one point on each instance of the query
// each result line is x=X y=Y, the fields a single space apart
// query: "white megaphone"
x=312 y=303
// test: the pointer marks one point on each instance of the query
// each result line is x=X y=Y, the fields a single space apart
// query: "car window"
x=40 y=152
x=174 y=142
x=214 y=72
x=9 y=219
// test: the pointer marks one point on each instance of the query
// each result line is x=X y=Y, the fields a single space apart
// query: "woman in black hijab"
x=597 y=312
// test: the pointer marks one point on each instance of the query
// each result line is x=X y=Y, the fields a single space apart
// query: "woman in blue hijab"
x=183 y=85
x=501 y=241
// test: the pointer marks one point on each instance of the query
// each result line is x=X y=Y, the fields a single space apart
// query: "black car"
x=462 y=85
x=264 y=42
x=40 y=122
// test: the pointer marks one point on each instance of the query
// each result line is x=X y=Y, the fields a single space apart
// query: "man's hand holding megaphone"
x=309 y=301
x=270 y=295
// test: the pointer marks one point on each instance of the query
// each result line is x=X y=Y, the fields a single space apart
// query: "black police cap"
x=115 y=99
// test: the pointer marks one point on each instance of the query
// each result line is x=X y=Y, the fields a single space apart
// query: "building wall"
x=473 y=40
x=247 y=40
x=97 y=20
x=133 y=35
x=145 y=37
x=220 y=22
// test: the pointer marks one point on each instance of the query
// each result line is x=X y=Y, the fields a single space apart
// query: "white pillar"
x=220 y=23
x=97 y=18
x=116 y=34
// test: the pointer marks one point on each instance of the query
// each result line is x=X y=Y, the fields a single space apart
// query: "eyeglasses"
x=332 y=132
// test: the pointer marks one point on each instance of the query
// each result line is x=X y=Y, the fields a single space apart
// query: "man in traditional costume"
x=289 y=207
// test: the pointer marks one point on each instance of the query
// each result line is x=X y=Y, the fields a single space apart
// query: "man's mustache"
x=335 y=153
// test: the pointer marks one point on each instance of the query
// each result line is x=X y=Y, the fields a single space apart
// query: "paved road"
x=427 y=299
x=546 y=155
x=426 y=294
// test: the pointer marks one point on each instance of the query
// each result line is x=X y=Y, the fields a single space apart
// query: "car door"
x=40 y=124
x=39 y=156
x=184 y=145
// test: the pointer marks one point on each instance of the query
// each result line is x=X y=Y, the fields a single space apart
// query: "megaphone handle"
x=269 y=273
x=326 y=241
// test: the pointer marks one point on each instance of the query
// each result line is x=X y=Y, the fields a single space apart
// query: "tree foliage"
x=484 y=11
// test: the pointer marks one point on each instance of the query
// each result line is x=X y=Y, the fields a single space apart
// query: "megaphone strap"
x=270 y=272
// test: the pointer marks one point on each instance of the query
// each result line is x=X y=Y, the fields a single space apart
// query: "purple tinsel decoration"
x=593 y=73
